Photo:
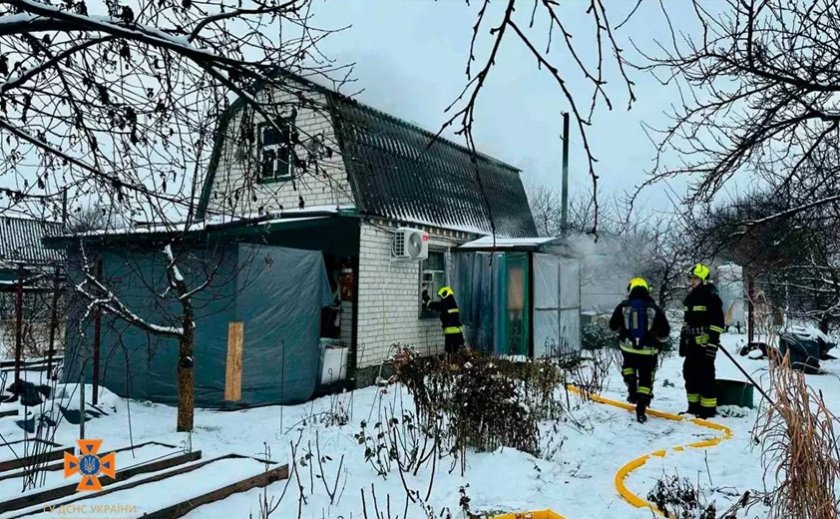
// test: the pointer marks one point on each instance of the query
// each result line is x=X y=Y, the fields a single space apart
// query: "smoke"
x=607 y=265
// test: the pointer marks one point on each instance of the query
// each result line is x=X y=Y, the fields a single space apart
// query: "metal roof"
x=400 y=171
x=21 y=241
x=403 y=172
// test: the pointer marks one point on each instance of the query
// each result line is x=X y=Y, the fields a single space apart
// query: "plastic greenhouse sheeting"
x=556 y=305
x=494 y=295
x=276 y=292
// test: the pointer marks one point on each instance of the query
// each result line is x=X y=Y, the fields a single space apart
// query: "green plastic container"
x=734 y=392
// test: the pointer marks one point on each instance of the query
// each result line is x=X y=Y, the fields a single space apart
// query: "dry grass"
x=799 y=447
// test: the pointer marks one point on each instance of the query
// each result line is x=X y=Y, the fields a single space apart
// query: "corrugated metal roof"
x=20 y=241
x=403 y=172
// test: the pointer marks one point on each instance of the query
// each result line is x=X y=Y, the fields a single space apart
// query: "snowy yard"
x=574 y=476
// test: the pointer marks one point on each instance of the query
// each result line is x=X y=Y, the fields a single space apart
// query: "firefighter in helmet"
x=700 y=340
x=642 y=327
x=450 y=318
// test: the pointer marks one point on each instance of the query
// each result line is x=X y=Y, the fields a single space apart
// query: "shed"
x=273 y=294
x=519 y=296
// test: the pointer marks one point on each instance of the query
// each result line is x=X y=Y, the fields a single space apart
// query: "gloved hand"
x=714 y=337
x=710 y=350
x=425 y=298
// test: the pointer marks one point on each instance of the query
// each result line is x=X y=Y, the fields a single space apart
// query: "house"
x=382 y=174
x=387 y=207
x=29 y=288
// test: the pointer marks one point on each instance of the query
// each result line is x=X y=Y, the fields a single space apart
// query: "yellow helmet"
x=701 y=272
x=445 y=292
x=638 y=282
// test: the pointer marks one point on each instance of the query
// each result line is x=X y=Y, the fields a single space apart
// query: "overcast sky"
x=410 y=58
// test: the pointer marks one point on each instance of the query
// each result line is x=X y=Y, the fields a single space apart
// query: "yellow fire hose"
x=634 y=464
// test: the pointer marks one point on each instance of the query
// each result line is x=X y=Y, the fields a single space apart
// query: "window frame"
x=290 y=161
x=424 y=314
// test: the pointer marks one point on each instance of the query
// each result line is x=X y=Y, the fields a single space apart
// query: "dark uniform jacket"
x=704 y=315
x=450 y=317
x=658 y=327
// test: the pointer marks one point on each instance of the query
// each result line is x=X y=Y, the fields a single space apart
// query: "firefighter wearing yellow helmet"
x=642 y=327
x=450 y=318
x=699 y=342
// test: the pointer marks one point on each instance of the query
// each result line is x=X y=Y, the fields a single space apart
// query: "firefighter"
x=449 y=318
x=642 y=327
x=699 y=342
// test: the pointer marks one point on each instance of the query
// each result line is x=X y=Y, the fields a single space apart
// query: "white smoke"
x=606 y=267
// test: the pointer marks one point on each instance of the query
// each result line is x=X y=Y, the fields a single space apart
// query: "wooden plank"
x=233 y=366
x=19 y=463
x=183 y=508
x=10 y=412
x=52 y=494
x=59 y=465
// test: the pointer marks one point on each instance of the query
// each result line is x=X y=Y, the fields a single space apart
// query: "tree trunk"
x=186 y=378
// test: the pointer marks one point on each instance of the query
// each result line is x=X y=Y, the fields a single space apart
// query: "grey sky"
x=411 y=56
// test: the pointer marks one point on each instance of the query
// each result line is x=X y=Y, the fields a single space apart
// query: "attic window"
x=276 y=151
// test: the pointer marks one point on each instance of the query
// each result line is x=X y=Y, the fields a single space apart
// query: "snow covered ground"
x=577 y=480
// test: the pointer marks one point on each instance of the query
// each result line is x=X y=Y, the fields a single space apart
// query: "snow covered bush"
x=481 y=402
x=596 y=334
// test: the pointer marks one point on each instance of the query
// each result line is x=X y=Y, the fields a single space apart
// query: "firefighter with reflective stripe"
x=699 y=342
x=642 y=327
x=450 y=318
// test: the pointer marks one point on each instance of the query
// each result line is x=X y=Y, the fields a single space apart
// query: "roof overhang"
x=489 y=243
x=210 y=231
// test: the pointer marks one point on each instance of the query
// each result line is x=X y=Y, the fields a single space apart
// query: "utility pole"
x=19 y=329
x=750 y=310
x=64 y=210
x=564 y=218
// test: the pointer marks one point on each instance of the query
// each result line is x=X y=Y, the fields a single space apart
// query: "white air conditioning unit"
x=410 y=244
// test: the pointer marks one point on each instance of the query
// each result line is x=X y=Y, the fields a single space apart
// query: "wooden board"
x=45 y=496
x=10 y=412
x=132 y=484
x=233 y=367
x=42 y=457
x=59 y=465
x=183 y=508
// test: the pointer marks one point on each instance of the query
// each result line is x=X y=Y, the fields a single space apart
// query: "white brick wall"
x=235 y=179
x=389 y=298
x=346 y=327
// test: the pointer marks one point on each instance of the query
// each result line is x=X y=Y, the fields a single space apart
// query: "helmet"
x=445 y=292
x=638 y=282
x=700 y=271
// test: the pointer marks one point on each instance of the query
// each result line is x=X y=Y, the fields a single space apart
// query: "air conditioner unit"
x=410 y=244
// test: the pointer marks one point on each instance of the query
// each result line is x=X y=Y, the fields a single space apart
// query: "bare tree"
x=654 y=246
x=762 y=94
x=536 y=28
x=121 y=103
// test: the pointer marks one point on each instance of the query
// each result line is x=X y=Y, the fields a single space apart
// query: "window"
x=276 y=151
x=432 y=278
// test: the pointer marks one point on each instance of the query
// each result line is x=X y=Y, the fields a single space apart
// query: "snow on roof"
x=219 y=219
x=487 y=242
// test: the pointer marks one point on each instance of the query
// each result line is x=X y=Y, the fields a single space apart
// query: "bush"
x=482 y=402
x=678 y=498
x=596 y=334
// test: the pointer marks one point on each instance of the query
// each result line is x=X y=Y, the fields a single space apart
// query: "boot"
x=641 y=417
x=693 y=408
x=707 y=412
x=631 y=398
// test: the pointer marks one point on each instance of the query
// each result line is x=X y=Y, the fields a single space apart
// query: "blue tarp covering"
x=276 y=292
